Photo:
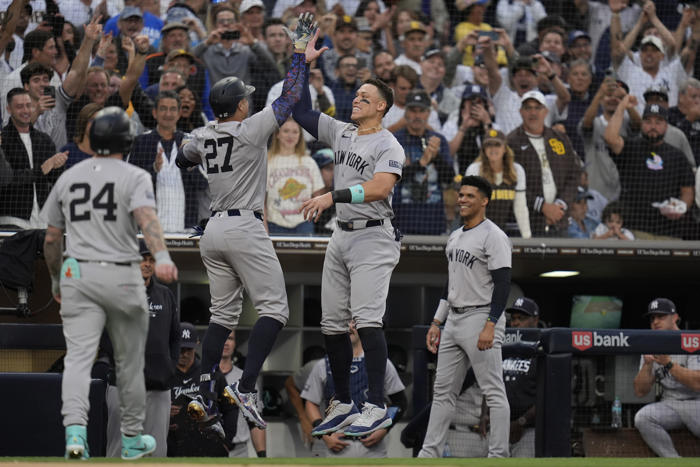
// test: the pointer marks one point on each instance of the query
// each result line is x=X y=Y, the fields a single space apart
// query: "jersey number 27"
x=213 y=168
x=103 y=200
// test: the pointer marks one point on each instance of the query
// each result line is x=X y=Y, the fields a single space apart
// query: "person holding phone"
x=230 y=49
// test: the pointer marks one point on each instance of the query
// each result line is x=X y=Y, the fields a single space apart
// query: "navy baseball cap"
x=660 y=306
x=655 y=109
x=323 y=157
x=188 y=336
x=418 y=98
x=582 y=193
x=433 y=53
x=524 y=305
x=472 y=91
x=656 y=90
x=574 y=35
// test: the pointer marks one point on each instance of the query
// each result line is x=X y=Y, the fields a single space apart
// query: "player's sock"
x=262 y=338
x=374 y=345
x=339 y=350
x=212 y=347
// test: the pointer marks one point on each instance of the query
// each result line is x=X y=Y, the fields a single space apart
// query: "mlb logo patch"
x=582 y=340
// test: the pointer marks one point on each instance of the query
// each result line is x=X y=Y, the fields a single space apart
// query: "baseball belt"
x=359 y=224
x=234 y=212
x=464 y=309
x=104 y=263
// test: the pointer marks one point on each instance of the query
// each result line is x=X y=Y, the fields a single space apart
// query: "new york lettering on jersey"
x=352 y=160
x=459 y=255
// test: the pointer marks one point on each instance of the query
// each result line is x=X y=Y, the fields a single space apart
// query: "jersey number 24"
x=103 y=200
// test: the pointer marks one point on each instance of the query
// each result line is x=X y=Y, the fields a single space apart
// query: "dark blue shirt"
x=75 y=155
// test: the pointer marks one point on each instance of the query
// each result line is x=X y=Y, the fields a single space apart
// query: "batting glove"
x=305 y=30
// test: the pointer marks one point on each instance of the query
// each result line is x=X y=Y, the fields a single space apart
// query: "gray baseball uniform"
x=235 y=247
x=679 y=407
x=314 y=392
x=93 y=202
x=358 y=263
x=471 y=255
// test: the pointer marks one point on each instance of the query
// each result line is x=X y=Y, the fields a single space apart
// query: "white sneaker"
x=338 y=415
x=373 y=418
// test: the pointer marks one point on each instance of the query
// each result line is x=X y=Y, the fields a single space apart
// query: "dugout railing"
x=558 y=351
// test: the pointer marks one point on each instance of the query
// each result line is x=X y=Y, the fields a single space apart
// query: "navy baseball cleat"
x=247 y=403
x=373 y=418
x=338 y=416
x=76 y=442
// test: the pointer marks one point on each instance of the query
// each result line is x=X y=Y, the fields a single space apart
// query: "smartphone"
x=230 y=35
x=492 y=34
x=50 y=91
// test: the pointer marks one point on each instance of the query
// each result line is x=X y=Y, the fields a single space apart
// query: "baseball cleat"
x=197 y=409
x=136 y=447
x=373 y=418
x=338 y=416
x=247 y=403
x=76 y=442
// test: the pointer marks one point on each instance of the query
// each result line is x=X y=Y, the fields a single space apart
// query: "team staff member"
x=100 y=203
x=186 y=437
x=245 y=429
x=362 y=252
x=552 y=168
x=236 y=249
x=319 y=390
x=679 y=377
x=162 y=351
x=479 y=264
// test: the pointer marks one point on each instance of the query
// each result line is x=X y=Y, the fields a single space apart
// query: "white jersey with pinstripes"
x=357 y=159
x=471 y=255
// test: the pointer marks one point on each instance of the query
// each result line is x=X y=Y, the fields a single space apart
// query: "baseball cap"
x=130 y=12
x=433 y=53
x=418 y=98
x=171 y=26
x=143 y=249
x=534 y=94
x=494 y=135
x=575 y=35
x=655 y=109
x=523 y=63
x=582 y=193
x=655 y=41
x=173 y=54
x=188 y=336
x=346 y=21
x=415 y=26
x=472 y=91
x=524 y=305
x=248 y=4
x=323 y=157
x=551 y=56
x=551 y=22
x=656 y=90
x=660 y=306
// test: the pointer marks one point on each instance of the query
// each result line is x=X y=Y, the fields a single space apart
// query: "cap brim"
x=519 y=310
x=188 y=345
x=650 y=313
x=249 y=90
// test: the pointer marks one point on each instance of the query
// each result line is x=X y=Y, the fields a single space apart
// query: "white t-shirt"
x=549 y=187
x=507 y=105
x=290 y=181
x=639 y=80
x=602 y=229
x=404 y=60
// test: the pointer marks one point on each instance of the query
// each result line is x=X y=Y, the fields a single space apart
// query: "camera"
x=230 y=35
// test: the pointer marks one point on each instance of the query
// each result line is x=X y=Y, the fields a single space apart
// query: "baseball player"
x=162 y=352
x=236 y=249
x=100 y=203
x=678 y=376
x=479 y=264
x=362 y=252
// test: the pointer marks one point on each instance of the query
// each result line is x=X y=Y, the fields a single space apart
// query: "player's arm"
x=686 y=376
x=53 y=253
x=501 y=288
x=645 y=377
x=188 y=155
x=612 y=133
x=378 y=188
x=432 y=339
x=152 y=231
x=298 y=403
x=77 y=75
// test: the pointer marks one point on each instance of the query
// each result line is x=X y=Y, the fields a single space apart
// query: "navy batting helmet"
x=226 y=94
x=110 y=132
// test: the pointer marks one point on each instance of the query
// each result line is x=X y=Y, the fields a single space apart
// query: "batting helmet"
x=226 y=94
x=110 y=132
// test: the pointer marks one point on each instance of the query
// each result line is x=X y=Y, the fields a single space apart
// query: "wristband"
x=668 y=366
x=436 y=323
x=358 y=194
x=162 y=257
x=341 y=196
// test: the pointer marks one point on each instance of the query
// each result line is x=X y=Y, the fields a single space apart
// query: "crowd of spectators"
x=584 y=103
